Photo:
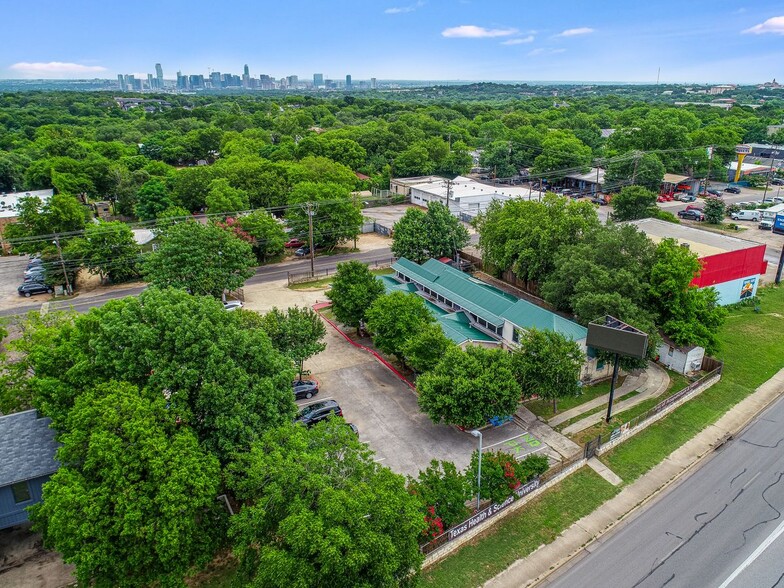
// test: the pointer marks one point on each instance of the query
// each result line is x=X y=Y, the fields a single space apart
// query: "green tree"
x=152 y=199
x=395 y=318
x=714 y=210
x=109 y=250
x=414 y=161
x=498 y=157
x=143 y=483
x=633 y=202
x=202 y=259
x=218 y=370
x=336 y=215
x=503 y=473
x=641 y=169
x=298 y=333
x=353 y=290
x=419 y=236
x=561 y=152
x=267 y=232
x=424 y=349
x=469 y=387
x=445 y=490
x=223 y=198
x=60 y=214
x=191 y=185
x=547 y=364
x=308 y=523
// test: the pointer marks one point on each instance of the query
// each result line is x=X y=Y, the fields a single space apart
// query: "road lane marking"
x=747 y=484
x=757 y=552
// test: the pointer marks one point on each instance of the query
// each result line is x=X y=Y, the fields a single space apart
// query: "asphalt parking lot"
x=388 y=418
x=12 y=269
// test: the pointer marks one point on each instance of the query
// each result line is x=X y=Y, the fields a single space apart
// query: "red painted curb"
x=322 y=305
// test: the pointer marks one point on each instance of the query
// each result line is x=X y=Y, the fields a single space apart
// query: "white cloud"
x=519 y=41
x=474 y=32
x=541 y=51
x=773 y=25
x=54 y=69
x=404 y=9
x=575 y=32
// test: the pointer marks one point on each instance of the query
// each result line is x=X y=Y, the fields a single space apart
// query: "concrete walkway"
x=546 y=559
x=563 y=446
x=655 y=384
x=630 y=384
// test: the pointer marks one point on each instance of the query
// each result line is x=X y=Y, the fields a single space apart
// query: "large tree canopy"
x=353 y=291
x=419 y=236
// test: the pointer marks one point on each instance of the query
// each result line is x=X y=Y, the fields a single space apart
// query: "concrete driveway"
x=388 y=418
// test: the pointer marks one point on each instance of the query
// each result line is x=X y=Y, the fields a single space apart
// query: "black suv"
x=695 y=215
x=29 y=288
x=732 y=190
x=305 y=388
x=318 y=411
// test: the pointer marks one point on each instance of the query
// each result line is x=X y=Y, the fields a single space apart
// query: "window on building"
x=515 y=334
x=21 y=492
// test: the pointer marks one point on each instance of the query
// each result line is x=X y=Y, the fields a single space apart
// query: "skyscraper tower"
x=159 y=75
x=318 y=80
x=151 y=82
x=121 y=82
x=348 y=82
x=246 y=71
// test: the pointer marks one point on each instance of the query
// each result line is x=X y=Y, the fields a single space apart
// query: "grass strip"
x=544 y=408
x=538 y=522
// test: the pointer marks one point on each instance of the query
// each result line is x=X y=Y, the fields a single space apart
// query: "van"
x=752 y=215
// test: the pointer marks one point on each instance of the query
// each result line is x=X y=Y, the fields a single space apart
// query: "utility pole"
x=710 y=162
x=448 y=193
x=770 y=172
x=634 y=173
x=310 y=239
x=62 y=263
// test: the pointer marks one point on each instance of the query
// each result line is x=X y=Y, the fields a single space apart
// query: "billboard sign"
x=778 y=223
x=610 y=334
x=742 y=149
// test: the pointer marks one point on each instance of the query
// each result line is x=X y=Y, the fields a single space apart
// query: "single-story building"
x=28 y=448
x=731 y=265
x=672 y=183
x=495 y=315
x=146 y=239
x=587 y=184
x=680 y=359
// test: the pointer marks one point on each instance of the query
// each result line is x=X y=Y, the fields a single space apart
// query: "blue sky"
x=601 y=40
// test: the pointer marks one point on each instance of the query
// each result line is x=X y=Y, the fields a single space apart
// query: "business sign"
x=742 y=149
x=747 y=288
x=610 y=334
x=778 y=224
x=491 y=510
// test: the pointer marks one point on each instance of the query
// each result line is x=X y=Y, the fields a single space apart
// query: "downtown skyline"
x=456 y=40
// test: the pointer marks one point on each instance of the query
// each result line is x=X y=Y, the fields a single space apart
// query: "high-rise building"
x=121 y=82
x=159 y=75
x=373 y=85
x=151 y=82
x=318 y=80
x=246 y=71
x=196 y=81
x=348 y=81
x=215 y=79
x=293 y=81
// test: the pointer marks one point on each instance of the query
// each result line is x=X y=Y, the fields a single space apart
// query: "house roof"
x=674 y=178
x=485 y=301
x=703 y=243
x=27 y=447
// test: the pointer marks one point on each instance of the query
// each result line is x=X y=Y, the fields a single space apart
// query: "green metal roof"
x=527 y=315
x=457 y=327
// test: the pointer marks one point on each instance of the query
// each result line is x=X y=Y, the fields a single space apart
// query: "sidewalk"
x=652 y=385
x=546 y=559
x=531 y=423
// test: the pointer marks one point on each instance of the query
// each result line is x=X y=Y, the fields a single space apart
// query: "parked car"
x=694 y=207
x=302 y=251
x=599 y=200
x=29 y=288
x=39 y=277
x=34 y=262
x=305 y=388
x=317 y=412
x=694 y=215
x=353 y=427
x=778 y=199
x=766 y=225
x=777 y=181
x=294 y=243
x=732 y=190
x=687 y=198
x=232 y=305
x=752 y=215
x=713 y=192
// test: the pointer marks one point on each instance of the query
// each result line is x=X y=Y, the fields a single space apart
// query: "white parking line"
x=315 y=400
x=507 y=440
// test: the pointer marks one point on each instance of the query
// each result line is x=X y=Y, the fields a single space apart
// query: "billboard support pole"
x=781 y=264
x=612 y=388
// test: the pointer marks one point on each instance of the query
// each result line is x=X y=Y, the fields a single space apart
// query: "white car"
x=232 y=305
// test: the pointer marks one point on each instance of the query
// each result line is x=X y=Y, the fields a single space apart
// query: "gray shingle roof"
x=27 y=447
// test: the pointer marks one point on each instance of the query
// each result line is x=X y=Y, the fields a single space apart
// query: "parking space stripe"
x=312 y=401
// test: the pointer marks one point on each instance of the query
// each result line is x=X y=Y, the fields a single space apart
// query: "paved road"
x=721 y=527
x=266 y=273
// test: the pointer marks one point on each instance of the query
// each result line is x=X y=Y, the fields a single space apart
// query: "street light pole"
x=478 y=434
x=62 y=263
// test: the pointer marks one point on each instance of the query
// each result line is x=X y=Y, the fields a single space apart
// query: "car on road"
x=232 y=305
x=766 y=225
x=294 y=243
x=694 y=215
x=29 y=288
x=687 y=198
x=302 y=251
x=317 y=412
x=305 y=388
x=732 y=190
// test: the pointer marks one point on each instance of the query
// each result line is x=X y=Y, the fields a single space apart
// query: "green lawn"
x=538 y=522
x=544 y=408
x=753 y=351
x=602 y=408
